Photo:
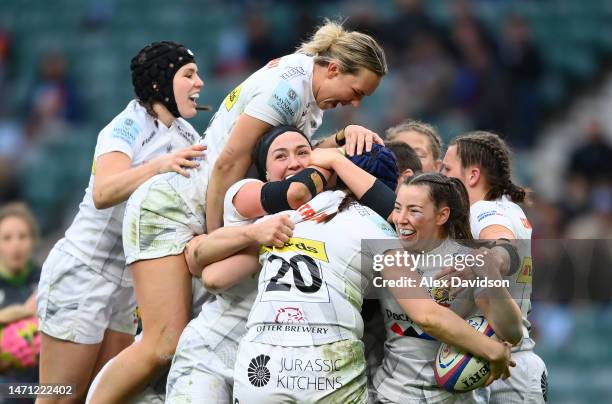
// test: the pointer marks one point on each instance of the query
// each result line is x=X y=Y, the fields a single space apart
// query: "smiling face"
x=186 y=86
x=289 y=154
x=16 y=243
x=417 y=221
x=338 y=88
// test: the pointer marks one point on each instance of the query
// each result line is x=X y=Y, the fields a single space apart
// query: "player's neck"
x=163 y=115
x=477 y=193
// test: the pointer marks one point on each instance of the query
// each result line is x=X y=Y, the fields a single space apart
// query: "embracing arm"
x=438 y=321
x=232 y=165
x=206 y=249
x=115 y=179
x=226 y=273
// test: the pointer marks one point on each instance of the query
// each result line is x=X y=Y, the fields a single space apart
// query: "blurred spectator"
x=18 y=280
x=592 y=161
x=408 y=23
x=231 y=52
x=478 y=88
x=5 y=51
x=53 y=103
x=424 y=81
x=261 y=44
x=98 y=14
x=523 y=66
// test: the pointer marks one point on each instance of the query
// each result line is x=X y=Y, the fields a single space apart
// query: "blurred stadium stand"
x=99 y=37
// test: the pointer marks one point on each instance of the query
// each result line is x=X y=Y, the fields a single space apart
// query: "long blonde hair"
x=350 y=49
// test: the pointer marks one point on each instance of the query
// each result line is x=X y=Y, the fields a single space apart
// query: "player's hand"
x=500 y=363
x=180 y=159
x=325 y=158
x=274 y=231
x=190 y=255
x=359 y=139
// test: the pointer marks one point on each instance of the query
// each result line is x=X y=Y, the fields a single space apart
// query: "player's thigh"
x=163 y=293
x=113 y=343
x=66 y=362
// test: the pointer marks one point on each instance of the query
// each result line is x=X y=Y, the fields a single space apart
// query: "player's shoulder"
x=484 y=209
x=129 y=124
x=370 y=223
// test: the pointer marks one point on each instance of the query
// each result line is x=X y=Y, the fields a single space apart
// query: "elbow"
x=100 y=200
x=212 y=283
x=428 y=321
x=298 y=194
x=225 y=163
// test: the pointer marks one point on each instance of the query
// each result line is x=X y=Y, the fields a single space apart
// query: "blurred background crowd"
x=537 y=72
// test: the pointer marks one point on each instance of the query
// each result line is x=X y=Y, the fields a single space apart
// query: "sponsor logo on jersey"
x=292 y=72
x=285 y=101
x=289 y=315
x=484 y=215
x=188 y=136
x=126 y=130
x=148 y=139
x=258 y=373
x=312 y=248
x=526 y=271
x=297 y=374
x=411 y=331
x=232 y=97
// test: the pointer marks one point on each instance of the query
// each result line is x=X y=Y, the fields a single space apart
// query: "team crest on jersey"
x=232 y=97
x=526 y=271
x=526 y=223
x=312 y=248
x=289 y=315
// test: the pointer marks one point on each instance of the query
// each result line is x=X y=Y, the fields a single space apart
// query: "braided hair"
x=491 y=153
x=450 y=192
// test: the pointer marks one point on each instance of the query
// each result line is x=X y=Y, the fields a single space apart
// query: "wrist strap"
x=340 y=137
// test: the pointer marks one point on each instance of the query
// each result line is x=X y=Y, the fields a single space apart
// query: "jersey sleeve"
x=120 y=135
x=275 y=102
x=487 y=213
x=231 y=217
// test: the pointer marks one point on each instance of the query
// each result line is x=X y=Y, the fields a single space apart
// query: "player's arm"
x=115 y=179
x=232 y=165
x=206 y=249
x=226 y=273
x=370 y=191
x=256 y=199
x=443 y=324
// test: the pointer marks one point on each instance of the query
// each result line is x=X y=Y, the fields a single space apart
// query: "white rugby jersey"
x=506 y=213
x=280 y=93
x=94 y=237
x=225 y=317
x=310 y=292
x=406 y=372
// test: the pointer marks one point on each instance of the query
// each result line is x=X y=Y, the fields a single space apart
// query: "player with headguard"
x=86 y=303
x=334 y=67
x=432 y=220
x=481 y=160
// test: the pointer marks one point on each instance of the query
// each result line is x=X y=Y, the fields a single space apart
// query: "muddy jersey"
x=310 y=292
x=508 y=214
x=94 y=237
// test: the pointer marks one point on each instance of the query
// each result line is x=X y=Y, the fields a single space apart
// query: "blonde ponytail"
x=350 y=49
